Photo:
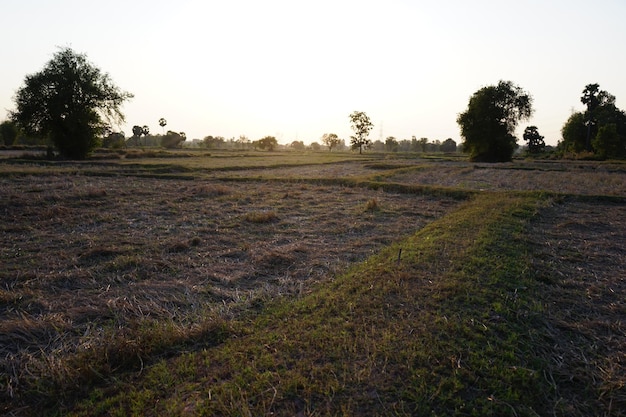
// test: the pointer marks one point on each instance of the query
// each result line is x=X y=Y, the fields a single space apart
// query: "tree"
x=8 y=132
x=391 y=144
x=243 y=141
x=489 y=123
x=173 y=140
x=331 y=140
x=212 y=142
x=114 y=140
x=137 y=131
x=607 y=142
x=534 y=140
x=361 y=124
x=71 y=102
x=145 y=131
x=596 y=101
x=574 y=134
x=315 y=146
x=423 y=142
x=580 y=131
x=162 y=123
x=297 y=145
x=268 y=142
x=448 y=146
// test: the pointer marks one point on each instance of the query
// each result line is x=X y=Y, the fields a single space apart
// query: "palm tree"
x=146 y=131
x=162 y=123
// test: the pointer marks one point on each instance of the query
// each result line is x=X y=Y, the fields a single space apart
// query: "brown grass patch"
x=581 y=259
x=93 y=261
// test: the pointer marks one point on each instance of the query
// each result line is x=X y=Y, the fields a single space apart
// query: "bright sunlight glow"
x=297 y=69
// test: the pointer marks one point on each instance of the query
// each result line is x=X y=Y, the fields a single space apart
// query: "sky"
x=296 y=69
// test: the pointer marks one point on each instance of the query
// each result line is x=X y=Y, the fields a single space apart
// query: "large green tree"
x=361 y=125
x=71 y=102
x=600 y=129
x=488 y=125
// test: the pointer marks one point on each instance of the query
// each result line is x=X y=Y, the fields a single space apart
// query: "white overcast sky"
x=297 y=69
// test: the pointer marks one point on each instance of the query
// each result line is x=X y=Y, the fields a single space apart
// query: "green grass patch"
x=441 y=324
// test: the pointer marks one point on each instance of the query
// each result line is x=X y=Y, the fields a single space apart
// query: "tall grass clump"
x=261 y=217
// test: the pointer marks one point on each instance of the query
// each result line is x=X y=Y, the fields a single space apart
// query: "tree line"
x=74 y=105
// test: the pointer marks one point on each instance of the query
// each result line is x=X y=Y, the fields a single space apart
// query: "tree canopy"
x=8 y=132
x=331 y=140
x=533 y=139
x=600 y=129
x=268 y=142
x=488 y=125
x=71 y=102
x=173 y=139
x=361 y=125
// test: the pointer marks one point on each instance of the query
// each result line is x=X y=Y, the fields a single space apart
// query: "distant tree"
x=448 y=146
x=145 y=131
x=243 y=141
x=268 y=142
x=423 y=144
x=137 y=131
x=315 y=146
x=162 y=123
x=331 y=140
x=580 y=132
x=114 y=140
x=534 y=140
x=574 y=134
x=607 y=142
x=70 y=101
x=361 y=125
x=434 y=146
x=377 y=146
x=404 y=145
x=489 y=123
x=173 y=140
x=391 y=144
x=8 y=132
x=591 y=99
x=213 y=142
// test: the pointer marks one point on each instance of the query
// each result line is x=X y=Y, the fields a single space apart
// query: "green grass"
x=446 y=328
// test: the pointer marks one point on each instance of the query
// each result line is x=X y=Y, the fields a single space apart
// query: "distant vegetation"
x=599 y=131
x=72 y=108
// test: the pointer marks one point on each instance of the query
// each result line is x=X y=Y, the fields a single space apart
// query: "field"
x=173 y=283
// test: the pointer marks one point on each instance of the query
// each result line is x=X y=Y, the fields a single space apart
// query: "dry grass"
x=581 y=258
x=96 y=265
x=561 y=177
